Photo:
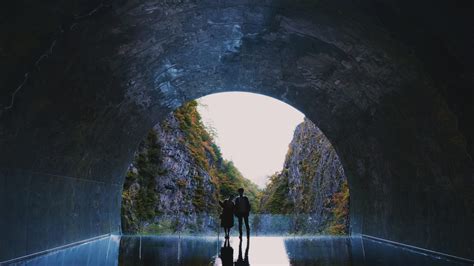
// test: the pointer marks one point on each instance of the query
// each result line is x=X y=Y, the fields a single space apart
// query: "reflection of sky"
x=252 y=130
x=196 y=251
x=262 y=251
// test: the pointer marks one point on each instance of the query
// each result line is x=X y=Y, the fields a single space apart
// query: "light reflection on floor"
x=196 y=251
x=261 y=251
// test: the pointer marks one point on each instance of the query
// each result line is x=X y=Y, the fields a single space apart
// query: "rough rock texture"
x=184 y=181
x=177 y=178
x=312 y=179
x=388 y=82
x=177 y=185
x=315 y=176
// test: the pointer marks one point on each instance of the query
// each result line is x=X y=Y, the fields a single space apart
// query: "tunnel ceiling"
x=389 y=82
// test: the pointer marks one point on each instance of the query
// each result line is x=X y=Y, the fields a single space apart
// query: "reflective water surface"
x=195 y=251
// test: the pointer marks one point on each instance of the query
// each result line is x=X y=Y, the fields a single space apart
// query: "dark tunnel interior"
x=391 y=83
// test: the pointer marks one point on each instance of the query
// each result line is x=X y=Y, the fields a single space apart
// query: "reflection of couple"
x=227 y=254
x=240 y=207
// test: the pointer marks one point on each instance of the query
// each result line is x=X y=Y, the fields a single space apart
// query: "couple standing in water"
x=240 y=207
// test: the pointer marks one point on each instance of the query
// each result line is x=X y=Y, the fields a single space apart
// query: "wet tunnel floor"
x=195 y=251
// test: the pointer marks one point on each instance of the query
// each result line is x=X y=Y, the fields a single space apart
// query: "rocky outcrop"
x=177 y=178
x=312 y=185
x=182 y=188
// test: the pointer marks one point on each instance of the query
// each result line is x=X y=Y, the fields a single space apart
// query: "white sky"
x=252 y=130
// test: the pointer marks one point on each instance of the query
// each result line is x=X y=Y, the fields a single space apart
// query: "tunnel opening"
x=206 y=149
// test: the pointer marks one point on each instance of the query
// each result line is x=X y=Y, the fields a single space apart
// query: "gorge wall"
x=312 y=185
x=177 y=177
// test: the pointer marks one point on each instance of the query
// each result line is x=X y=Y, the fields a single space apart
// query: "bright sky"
x=252 y=130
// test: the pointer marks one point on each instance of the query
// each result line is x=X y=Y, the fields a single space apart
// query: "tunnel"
x=389 y=82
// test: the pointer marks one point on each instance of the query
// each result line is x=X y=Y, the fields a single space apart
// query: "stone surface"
x=310 y=185
x=313 y=155
x=175 y=186
x=82 y=82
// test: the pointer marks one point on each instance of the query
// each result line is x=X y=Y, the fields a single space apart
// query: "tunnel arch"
x=69 y=138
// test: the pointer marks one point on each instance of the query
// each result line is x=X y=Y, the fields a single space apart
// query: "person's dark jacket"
x=227 y=215
x=242 y=206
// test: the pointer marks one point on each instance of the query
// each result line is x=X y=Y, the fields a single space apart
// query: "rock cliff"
x=312 y=186
x=177 y=177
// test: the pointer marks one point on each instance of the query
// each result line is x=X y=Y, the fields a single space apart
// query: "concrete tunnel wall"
x=100 y=74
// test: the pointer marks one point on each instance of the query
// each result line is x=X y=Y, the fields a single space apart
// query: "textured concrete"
x=81 y=88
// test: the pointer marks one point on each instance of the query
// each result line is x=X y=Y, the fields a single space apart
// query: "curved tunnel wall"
x=69 y=128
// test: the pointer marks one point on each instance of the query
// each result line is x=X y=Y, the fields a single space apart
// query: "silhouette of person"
x=242 y=211
x=243 y=261
x=227 y=215
x=227 y=254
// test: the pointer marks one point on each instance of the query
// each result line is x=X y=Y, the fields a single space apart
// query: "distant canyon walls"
x=178 y=175
x=312 y=185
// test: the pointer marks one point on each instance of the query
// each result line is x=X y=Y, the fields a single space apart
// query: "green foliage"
x=199 y=199
x=200 y=145
x=276 y=200
x=308 y=168
x=334 y=219
x=197 y=139
x=225 y=176
x=163 y=226
x=340 y=211
x=148 y=165
x=138 y=206
x=130 y=222
x=140 y=198
x=230 y=180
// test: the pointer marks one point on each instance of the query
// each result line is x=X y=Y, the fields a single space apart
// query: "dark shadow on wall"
x=68 y=140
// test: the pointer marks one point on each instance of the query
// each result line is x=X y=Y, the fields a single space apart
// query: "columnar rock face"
x=316 y=179
x=185 y=187
x=312 y=184
x=176 y=187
